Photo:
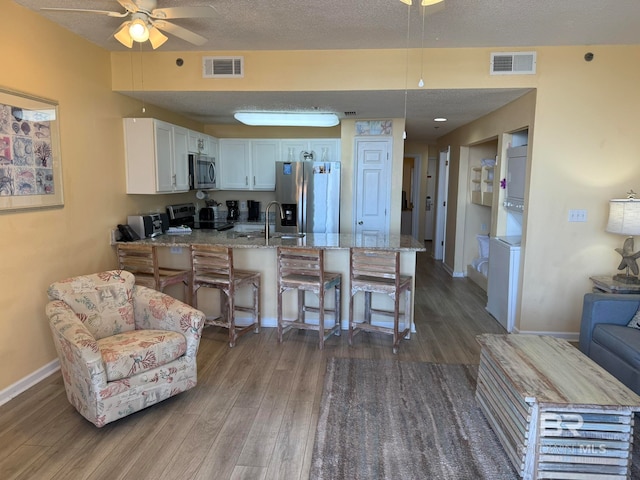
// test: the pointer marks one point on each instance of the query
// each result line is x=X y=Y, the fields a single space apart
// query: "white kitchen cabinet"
x=248 y=164
x=211 y=146
x=198 y=143
x=235 y=163
x=324 y=149
x=156 y=156
x=264 y=155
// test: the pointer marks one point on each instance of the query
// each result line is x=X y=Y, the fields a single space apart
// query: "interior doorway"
x=441 y=205
x=411 y=173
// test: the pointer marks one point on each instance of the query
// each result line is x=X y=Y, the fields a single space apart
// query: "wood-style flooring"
x=254 y=411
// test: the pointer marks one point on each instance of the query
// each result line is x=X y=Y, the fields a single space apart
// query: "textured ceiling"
x=357 y=24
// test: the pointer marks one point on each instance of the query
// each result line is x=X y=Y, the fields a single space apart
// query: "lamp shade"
x=624 y=216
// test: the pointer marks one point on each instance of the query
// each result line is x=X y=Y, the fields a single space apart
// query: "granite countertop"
x=234 y=239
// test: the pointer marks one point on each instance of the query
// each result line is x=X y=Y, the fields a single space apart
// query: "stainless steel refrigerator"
x=309 y=193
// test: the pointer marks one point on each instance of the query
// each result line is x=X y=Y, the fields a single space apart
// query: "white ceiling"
x=357 y=24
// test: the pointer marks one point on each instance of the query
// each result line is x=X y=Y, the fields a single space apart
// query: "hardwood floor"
x=254 y=411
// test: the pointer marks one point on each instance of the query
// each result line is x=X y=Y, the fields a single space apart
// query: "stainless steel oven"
x=202 y=172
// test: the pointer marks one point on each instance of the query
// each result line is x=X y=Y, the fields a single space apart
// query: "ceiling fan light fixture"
x=156 y=37
x=288 y=119
x=123 y=36
x=138 y=30
x=426 y=3
x=407 y=2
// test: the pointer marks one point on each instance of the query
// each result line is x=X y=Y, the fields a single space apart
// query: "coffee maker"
x=254 y=211
x=233 y=211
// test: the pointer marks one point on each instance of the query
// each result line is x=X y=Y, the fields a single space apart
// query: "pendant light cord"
x=406 y=73
x=421 y=82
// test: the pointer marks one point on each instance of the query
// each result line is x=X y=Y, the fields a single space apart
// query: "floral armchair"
x=122 y=347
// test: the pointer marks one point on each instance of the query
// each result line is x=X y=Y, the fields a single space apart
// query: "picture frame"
x=30 y=159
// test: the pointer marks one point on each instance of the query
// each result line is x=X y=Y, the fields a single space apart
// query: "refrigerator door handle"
x=302 y=207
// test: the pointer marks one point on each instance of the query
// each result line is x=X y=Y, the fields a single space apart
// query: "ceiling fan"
x=145 y=21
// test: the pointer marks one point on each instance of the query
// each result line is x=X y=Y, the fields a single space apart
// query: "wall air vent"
x=350 y=114
x=513 y=63
x=222 y=67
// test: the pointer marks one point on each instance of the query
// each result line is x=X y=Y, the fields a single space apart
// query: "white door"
x=373 y=186
x=430 y=200
x=441 y=205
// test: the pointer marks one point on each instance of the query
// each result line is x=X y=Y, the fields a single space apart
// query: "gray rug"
x=401 y=420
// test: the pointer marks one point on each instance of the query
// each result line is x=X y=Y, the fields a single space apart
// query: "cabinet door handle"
x=254 y=180
x=246 y=180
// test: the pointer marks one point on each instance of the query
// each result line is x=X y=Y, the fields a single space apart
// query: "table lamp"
x=624 y=219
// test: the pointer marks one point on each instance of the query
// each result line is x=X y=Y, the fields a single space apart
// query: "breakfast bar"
x=253 y=252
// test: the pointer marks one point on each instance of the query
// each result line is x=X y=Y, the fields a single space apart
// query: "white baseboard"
x=29 y=381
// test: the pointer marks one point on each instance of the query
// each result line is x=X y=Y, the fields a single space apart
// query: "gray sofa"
x=605 y=337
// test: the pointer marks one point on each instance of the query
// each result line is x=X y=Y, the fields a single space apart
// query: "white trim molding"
x=29 y=381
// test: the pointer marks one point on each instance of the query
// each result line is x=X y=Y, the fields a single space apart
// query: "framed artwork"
x=30 y=162
x=374 y=127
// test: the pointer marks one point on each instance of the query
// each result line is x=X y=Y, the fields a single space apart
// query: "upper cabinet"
x=156 y=155
x=248 y=164
x=316 y=149
x=202 y=144
x=235 y=163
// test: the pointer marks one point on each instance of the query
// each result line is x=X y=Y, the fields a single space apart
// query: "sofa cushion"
x=620 y=340
x=103 y=302
x=137 y=351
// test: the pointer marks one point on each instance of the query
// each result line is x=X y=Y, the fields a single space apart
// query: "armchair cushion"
x=137 y=351
x=102 y=302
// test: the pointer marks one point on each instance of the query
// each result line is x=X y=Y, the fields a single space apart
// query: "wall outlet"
x=243 y=205
x=483 y=227
x=176 y=250
x=577 y=215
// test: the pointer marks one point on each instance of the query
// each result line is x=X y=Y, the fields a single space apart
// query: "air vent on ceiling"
x=350 y=114
x=513 y=63
x=222 y=67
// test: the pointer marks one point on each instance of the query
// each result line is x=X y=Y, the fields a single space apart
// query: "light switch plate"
x=577 y=215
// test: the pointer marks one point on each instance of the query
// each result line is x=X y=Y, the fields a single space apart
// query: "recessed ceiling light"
x=439 y=119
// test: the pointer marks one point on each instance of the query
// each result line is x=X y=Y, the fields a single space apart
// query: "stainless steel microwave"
x=202 y=172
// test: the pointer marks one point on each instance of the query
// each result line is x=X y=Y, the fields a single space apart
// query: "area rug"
x=384 y=419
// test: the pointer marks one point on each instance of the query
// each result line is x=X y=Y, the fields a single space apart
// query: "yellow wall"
x=43 y=246
x=584 y=152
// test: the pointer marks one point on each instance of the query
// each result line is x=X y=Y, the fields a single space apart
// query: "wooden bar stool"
x=213 y=267
x=142 y=261
x=378 y=271
x=303 y=269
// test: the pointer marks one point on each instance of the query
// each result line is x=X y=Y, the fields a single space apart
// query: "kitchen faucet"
x=266 y=219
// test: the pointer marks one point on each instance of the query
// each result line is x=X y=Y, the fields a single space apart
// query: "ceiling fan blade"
x=86 y=10
x=180 y=32
x=123 y=36
x=183 y=12
x=130 y=7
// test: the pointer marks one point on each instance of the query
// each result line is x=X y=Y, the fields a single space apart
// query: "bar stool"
x=378 y=271
x=302 y=269
x=142 y=261
x=213 y=267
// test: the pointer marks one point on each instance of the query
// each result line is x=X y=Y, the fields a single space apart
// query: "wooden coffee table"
x=556 y=412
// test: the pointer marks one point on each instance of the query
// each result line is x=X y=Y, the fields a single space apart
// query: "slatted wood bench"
x=556 y=412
